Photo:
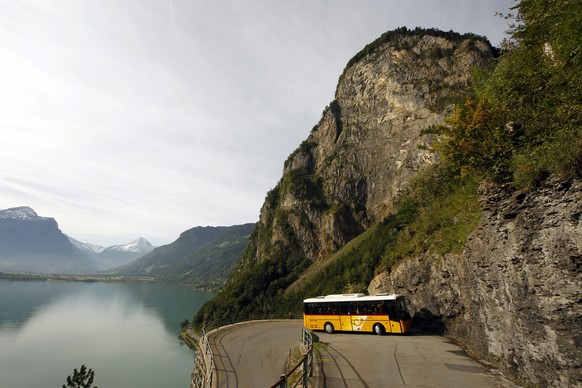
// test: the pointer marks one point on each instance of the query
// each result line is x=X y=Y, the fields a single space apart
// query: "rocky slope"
x=513 y=297
x=369 y=142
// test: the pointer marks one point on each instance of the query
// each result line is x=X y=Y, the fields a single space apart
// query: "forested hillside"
x=201 y=256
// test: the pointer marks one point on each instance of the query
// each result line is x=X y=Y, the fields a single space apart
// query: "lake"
x=126 y=332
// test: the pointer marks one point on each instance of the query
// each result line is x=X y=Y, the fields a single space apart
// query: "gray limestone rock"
x=514 y=296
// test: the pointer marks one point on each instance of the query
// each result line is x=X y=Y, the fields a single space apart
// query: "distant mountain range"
x=30 y=243
x=203 y=256
x=116 y=255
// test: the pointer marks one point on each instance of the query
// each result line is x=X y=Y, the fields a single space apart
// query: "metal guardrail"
x=251 y=317
x=202 y=373
x=306 y=362
x=204 y=366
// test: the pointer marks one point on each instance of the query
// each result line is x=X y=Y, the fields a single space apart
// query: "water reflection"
x=20 y=300
x=125 y=332
x=168 y=301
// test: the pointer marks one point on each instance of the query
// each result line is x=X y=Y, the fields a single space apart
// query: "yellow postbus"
x=357 y=312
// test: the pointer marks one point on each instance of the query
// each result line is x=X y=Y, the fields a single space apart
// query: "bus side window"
x=314 y=308
x=377 y=309
x=344 y=308
x=333 y=308
x=362 y=308
x=382 y=308
x=329 y=308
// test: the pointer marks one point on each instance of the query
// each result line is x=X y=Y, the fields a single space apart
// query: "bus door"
x=345 y=317
x=394 y=316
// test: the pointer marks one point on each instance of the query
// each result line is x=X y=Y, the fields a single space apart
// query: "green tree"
x=81 y=378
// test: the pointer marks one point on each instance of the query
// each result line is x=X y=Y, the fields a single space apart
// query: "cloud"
x=124 y=119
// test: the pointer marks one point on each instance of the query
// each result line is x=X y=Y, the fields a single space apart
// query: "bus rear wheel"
x=328 y=327
x=379 y=329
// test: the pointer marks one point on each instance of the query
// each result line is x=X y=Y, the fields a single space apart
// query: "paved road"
x=413 y=360
x=254 y=355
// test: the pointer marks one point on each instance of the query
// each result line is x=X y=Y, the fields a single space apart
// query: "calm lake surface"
x=127 y=333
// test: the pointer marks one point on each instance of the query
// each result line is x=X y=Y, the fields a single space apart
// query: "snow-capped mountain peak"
x=115 y=255
x=19 y=213
x=141 y=245
x=88 y=247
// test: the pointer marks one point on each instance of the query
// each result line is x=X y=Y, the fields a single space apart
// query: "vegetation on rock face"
x=436 y=215
x=521 y=124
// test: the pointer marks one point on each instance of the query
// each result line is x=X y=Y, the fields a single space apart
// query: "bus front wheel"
x=328 y=327
x=379 y=329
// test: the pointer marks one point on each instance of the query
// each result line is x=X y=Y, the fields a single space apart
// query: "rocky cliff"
x=369 y=142
x=513 y=296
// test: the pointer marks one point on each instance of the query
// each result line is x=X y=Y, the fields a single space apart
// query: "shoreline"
x=190 y=338
x=94 y=278
x=87 y=278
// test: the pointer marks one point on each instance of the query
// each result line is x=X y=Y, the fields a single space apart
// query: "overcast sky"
x=129 y=118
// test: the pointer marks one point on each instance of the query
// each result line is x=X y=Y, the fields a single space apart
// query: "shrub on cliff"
x=523 y=123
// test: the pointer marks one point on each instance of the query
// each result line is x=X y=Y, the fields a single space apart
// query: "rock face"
x=369 y=142
x=514 y=296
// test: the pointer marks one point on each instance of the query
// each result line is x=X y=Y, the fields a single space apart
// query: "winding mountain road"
x=254 y=354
